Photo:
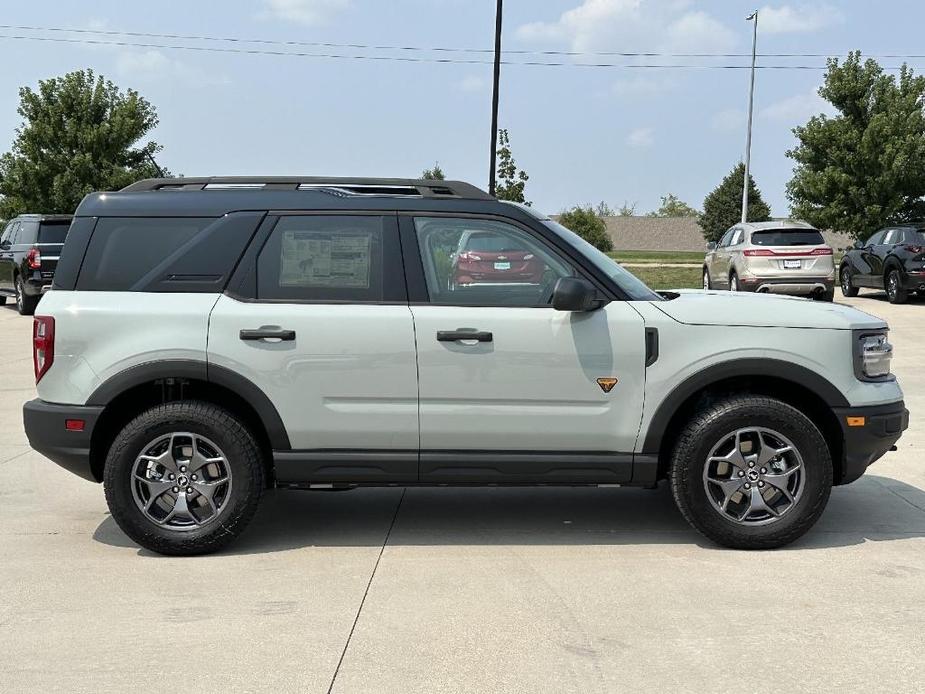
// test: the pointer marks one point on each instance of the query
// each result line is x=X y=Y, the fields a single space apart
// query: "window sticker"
x=324 y=259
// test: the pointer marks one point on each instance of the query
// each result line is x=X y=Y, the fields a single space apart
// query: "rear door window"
x=787 y=237
x=331 y=258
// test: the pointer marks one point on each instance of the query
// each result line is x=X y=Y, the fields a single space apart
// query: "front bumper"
x=865 y=443
x=45 y=428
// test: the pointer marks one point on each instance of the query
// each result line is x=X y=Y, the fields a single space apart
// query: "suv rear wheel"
x=895 y=291
x=183 y=478
x=25 y=304
x=847 y=287
x=751 y=472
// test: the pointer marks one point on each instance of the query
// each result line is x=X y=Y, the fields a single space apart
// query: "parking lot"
x=463 y=590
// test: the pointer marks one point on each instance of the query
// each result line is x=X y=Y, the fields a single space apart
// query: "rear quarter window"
x=787 y=237
x=123 y=250
x=53 y=232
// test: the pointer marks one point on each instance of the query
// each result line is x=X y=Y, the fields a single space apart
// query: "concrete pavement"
x=489 y=590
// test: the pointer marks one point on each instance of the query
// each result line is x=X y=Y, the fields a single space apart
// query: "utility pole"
x=751 y=100
x=494 y=100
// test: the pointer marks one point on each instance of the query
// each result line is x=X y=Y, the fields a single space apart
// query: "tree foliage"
x=434 y=174
x=78 y=135
x=511 y=181
x=585 y=222
x=627 y=209
x=672 y=206
x=602 y=209
x=723 y=206
x=863 y=168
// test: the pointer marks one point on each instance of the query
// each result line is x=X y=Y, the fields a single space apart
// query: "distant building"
x=675 y=234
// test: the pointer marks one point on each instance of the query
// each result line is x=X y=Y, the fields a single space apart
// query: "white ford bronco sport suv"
x=209 y=338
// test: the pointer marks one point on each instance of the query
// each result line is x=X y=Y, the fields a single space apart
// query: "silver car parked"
x=782 y=257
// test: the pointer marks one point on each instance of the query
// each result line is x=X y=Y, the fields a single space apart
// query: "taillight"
x=34 y=258
x=822 y=251
x=469 y=255
x=43 y=344
x=751 y=253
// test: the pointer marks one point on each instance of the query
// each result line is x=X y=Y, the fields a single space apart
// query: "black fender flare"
x=773 y=368
x=137 y=375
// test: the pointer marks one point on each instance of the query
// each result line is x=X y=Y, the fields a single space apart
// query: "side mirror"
x=574 y=294
x=711 y=246
x=858 y=245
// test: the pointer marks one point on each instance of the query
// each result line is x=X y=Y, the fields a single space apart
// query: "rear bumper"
x=37 y=283
x=45 y=428
x=863 y=445
x=787 y=285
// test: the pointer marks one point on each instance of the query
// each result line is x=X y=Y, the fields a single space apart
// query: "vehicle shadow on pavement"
x=872 y=509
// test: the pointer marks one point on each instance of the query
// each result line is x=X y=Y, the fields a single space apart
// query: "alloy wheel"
x=733 y=284
x=706 y=279
x=19 y=294
x=181 y=481
x=893 y=284
x=845 y=281
x=754 y=476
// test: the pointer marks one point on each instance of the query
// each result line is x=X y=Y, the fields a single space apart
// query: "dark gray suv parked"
x=29 y=250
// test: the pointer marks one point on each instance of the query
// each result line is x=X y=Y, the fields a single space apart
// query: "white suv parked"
x=207 y=339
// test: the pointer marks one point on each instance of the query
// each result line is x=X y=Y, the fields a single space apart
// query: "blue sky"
x=583 y=134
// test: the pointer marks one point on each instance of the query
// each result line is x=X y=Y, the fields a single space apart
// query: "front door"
x=324 y=330
x=512 y=390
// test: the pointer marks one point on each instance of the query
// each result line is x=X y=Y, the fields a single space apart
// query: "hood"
x=704 y=307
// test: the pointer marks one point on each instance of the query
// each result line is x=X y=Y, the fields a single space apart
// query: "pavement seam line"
x=366 y=592
x=18 y=455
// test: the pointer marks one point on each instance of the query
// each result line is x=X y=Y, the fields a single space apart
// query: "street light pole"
x=494 y=100
x=751 y=99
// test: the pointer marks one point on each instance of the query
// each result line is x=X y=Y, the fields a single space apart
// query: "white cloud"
x=472 y=83
x=151 y=64
x=728 y=120
x=309 y=12
x=632 y=25
x=641 y=138
x=796 y=109
x=799 y=19
x=642 y=86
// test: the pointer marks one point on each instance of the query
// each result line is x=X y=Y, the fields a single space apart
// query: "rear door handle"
x=267 y=333
x=454 y=335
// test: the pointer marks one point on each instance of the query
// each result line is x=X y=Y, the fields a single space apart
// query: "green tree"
x=78 y=135
x=723 y=207
x=434 y=174
x=672 y=206
x=627 y=209
x=585 y=222
x=510 y=181
x=602 y=209
x=863 y=168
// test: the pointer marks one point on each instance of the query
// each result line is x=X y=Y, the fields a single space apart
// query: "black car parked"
x=892 y=259
x=29 y=249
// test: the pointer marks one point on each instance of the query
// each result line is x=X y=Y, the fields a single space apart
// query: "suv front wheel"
x=183 y=478
x=751 y=472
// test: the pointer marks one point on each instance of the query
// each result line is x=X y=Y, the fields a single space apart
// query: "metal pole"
x=494 y=100
x=748 y=137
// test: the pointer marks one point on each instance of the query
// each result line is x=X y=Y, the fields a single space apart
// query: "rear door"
x=320 y=322
x=864 y=262
x=879 y=253
x=719 y=268
x=519 y=400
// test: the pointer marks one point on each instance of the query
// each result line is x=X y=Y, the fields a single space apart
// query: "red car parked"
x=484 y=257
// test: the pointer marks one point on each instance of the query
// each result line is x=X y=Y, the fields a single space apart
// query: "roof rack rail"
x=405 y=187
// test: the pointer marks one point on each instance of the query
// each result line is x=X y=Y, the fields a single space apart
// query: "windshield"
x=634 y=288
x=787 y=237
x=491 y=243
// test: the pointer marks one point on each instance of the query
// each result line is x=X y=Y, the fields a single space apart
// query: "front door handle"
x=267 y=333
x=454 y=335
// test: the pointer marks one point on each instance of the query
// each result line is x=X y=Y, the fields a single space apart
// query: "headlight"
x=873 y=354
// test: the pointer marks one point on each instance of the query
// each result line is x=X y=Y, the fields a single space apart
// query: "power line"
x=408 y=59
x=438 y=49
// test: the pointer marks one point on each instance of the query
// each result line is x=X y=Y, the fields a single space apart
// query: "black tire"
x=2 y=301
x=707 y=284
x=25 y=304
x=847 y=287
x=733 y=282
x=828 y=295
x=709 y=426
x=244 y=458
x=895 y=292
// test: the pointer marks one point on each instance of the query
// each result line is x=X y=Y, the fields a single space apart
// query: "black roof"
x=215 y=196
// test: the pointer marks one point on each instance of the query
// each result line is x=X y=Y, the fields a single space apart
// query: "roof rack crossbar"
x=351 y=186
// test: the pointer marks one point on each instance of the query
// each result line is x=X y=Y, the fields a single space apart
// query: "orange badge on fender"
x=607 y=384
